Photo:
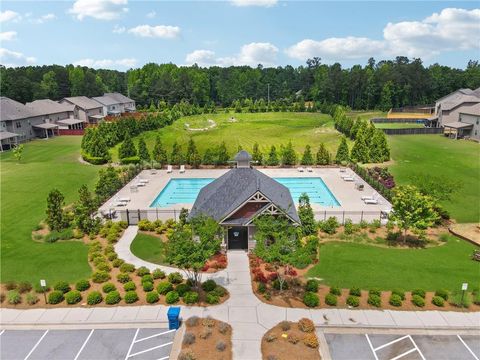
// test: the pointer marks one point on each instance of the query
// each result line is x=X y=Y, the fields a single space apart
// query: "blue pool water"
x=185 y=191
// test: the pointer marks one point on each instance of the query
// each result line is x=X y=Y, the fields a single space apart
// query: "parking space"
x=89 y=344
x=405 y=347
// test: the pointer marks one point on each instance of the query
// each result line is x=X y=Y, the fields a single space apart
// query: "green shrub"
x=348 y=227
x=10 y=285
x=419 y=292
x=355 y=291
x=95 y=297
x=395 y=300
x=261 y=287
x=82 y=285
x=40 y=289
x=130 y=160
x=175 y=278
x=55 y=297
x=111 y=256
x=209 y=285
x=113 y=298
x=212 y=298
x=73 y=297
x=190 y=297
x=152 y=297
x=374 y=291
x=117 y=263
x=329 y=226
x=103 y=266
x=158 y=274
x=438 y=301
x=311 y=299
x=399 y=292
x=331 y=299
x=62 y=286
x=456 y=299
x=131 y=297
x=147 y=286
x=129 y=286
x=108 y=287
x=142 y=270
x=126 y=267
x=32 y=298
x=147 y=278
x=335 y=290
x=442 y=293
x=181 y=289
x=417 y=300
x=172 y=297
x=363 y=224
x=374 y=300
x=353 y=301
x=220 y=291
x=276 y=284
x=14 y=297
x=123 y=278
x=311 y=285
x=476 y=298
x=100 y=277
x=164 y=287
x=24 y=286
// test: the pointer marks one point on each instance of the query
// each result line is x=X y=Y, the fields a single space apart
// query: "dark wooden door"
x=237 y=237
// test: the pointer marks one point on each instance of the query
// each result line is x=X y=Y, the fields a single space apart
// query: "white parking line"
x=2 y=332
x=153 y=348
x=371 y=347
x=131 y=345
x=468 y=348
x=391 y=342
x=84 y=343
x=416 y=347
x=35 y=346
x=152 y=336
x=164 y=358
x=405 y=353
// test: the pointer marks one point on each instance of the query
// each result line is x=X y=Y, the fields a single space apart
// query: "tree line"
x=375 y=85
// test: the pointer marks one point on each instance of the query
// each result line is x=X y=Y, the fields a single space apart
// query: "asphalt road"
x=86 y=344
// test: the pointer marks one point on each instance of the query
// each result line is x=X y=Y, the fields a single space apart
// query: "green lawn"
x=24 y=188
x=265 y=128
x=149 y=248
x=365 y=266
x=398 y=125
x=367 y=115
x=441 y=157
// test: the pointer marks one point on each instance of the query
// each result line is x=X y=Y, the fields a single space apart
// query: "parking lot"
x=405 y=347
x=87 y=344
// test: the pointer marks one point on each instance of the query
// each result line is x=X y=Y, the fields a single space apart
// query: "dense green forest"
x=380 y=85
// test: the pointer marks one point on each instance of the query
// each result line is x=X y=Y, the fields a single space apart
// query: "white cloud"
x=262 y=3
x=151 y=14
x=9 y=15
x=159 y=31
x=451 y=29
x=106 y=63
x=250 y=54
x=8 y=35
x=99 y=9
x=44 y=18
x=10 y=58
x=119 y=29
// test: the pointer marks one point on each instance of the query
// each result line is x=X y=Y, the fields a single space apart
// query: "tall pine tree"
x=257 y=156
x=360 y=151
x=127 y=149
x=176 y=157
x=342 y=151
x=323 y=155
x=307 y=158
x=143 y=153
x=272 y=159
x=159 y=153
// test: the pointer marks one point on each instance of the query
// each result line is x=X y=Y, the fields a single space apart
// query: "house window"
x=99 y=111
x=18 y=124
x=477 y=121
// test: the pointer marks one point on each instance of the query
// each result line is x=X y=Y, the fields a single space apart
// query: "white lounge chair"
x=140 y=183
x=369 y=197
x=145 y=181
x=118 y=203
x=342 y=169
x=373 y=201
x=348 y=178
x=309 y=169
x=182 y=169
x=300 y=169
x=124 y=199
x=153 y=171
x=169 y=169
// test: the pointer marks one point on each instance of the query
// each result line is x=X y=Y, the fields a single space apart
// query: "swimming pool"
x=185 y=191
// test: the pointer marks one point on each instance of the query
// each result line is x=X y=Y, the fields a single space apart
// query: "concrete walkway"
x=249 y=317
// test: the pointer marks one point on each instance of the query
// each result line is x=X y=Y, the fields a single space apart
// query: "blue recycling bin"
x=173 y=315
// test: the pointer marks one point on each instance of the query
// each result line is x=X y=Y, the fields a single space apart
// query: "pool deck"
x=344 y=191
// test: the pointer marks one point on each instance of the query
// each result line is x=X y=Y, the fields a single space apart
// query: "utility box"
x=173 y=315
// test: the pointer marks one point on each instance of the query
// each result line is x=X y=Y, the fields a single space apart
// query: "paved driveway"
x=405 y=347
x=105 y=344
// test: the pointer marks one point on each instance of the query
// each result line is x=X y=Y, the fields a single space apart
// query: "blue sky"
x=119 y=34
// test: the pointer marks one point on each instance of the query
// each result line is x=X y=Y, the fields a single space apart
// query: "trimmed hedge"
x=73 y=297
x=353 y=301
x=164 y=287
x=331 y=299
x=130 y=160
x=113 y=298
x=95 y=297
x=82 y=285
x=95 y=160
x=131 y=297
x=152 y=297
x=311 y=299
x=62 y=286
x=417 y=300
x=172 y=297
x=191 y=297
x=374 y=300
x=55 y=297
x=311 y=285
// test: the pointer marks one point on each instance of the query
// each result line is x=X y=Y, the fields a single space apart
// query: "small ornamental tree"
x=379 y=150
x=191 y=151
x=272 y=159
x=143 y=153
x=108 y=183
x=159 y=153
x=342 y=151
x=257 y=156
x=305 y=213
x=412 y=210
x=289 y=157
x=209 y=157
x=127 y=148
x=55 y=203
x=323 y=155
x=84 y=209
x=18 y=152
x=176 y=157
x=307 y=158
x=96 y=146
x=222 y=154
x=360 y=150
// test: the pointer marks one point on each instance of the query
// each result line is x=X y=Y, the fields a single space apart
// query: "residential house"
x=126 y=104
x=65 y=115
x=89 y=110
x=115 y=104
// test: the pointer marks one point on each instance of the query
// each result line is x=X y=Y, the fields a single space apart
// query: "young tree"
x=191 y=150
x=323 y=155
x=379 y=150
x=257 y=156
x=55 y=204
x=127 y=149
x=307 y=158
x=108 y=183
x=222 y=154
x=209 y=157
x=305 y=213
x=18 y=152
x=360 y=151
x=83 y=211
x=176 y=157
x=143 y=153
x=159 y=153
x=342 y=151
x=182 y=218
x=412 y=210
x=289 y=156
x=97 y=147
x=272 y=156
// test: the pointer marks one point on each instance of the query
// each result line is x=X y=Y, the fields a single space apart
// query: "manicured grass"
x=367 y=115
x=365 y=266
x=149 y=248
x=398 y=125
x=438 y=156
x=265 y=128
x=24 y=188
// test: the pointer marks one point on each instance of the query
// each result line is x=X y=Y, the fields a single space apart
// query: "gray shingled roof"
x=13 y=110
x=229 y=191
x=47 y=106
x=120 y=98
x=84 y=102
x=106 y=100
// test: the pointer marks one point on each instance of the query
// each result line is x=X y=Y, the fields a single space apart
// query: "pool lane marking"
x=404 y=354
x=468 y=348
x=152 y=348
x=35 y=346
x=84 y=344
x=391 y=342
x=152 y=336
x=131 y=345
x=371 y=347
x=416 y=347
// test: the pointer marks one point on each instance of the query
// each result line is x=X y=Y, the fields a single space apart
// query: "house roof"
x=458 y=125
x=225 y=194
x=459 y=97
x=13 y=110
x=106 y=100
x=83 y=102
x=242 y=156
x=47 y=106
x=120 y=98
x=7 y=135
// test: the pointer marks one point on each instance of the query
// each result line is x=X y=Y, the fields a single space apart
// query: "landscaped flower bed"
x=291 y=340
x=206 y=338
x=383 y=176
